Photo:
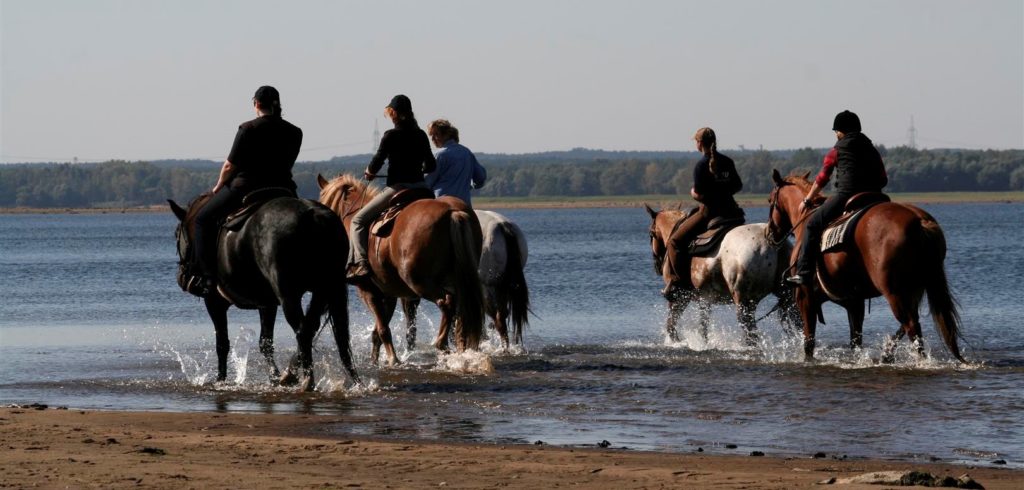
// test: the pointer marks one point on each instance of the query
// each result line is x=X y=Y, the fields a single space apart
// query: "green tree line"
x=578 y=172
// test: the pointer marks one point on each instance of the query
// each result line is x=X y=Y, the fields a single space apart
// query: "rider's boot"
x=359 y=271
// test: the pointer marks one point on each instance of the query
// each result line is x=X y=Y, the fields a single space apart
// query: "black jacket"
x=264 y=152
x=716 y=189
x=407 y=151
x=859 y=166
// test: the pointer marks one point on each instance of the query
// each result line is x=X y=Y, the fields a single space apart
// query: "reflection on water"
x=95 y=320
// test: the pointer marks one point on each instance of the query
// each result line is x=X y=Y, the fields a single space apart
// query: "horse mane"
x=799 y=180
x=335 y=191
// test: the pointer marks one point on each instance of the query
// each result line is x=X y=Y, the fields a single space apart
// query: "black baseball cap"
x=846 y=122
x=401 y=104
x=267 y=95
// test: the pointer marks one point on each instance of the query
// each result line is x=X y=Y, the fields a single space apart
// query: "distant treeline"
x=578 y=172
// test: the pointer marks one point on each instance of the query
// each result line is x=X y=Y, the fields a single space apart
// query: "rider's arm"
x=479 y=173
x=378 y=159
x=226 y=172
x=828 y=165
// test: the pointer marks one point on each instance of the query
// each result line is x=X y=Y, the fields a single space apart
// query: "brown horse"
x=897 y=252
x=432 y=252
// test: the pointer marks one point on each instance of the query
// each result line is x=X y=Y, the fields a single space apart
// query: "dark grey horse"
x=288 y=247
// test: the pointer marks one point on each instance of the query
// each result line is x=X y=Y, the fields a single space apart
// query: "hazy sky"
x=138 y=79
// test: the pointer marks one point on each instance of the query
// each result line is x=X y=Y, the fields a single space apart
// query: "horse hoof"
x=288 y=379
x=307 y=385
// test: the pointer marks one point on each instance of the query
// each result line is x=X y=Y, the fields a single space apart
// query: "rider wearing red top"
x=858 y=167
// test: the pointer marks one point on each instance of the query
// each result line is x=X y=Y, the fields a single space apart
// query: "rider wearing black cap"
x=406 y=150
x=262 y=156
x=858 y=167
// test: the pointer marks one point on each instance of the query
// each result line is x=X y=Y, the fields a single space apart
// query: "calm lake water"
x=91 y=317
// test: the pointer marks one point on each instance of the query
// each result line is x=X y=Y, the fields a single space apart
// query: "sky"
x=143 y=80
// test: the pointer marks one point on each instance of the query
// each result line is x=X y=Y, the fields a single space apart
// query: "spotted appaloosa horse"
x=431 y=252
x=897 y=252
x=744 y=270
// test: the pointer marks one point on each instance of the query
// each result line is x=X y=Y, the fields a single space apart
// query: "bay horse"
x=897 y=252
x=432 y=252
x=286 y=248
x=743 y=270
x=506 y=295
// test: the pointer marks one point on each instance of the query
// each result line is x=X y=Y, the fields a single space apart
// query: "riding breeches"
x=359 y=235
x=207 y=228
x=677 y=249
x=810 y=246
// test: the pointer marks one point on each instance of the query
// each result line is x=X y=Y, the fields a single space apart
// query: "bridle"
x=773 y=205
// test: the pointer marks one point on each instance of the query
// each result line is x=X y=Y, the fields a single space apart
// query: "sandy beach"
x=61 y=448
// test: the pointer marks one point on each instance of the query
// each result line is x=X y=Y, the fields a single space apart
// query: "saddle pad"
x=706 y=243
x=385 y=222
x=840 y=231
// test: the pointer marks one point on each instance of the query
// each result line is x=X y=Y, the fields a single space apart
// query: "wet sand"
x=52 y=448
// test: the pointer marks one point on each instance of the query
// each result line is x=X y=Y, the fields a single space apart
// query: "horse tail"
x=513 y=282
x=329 y=249
x=941 y=303
x=469 y=293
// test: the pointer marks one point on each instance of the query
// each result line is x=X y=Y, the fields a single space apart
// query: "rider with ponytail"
x=406 y=150
x=715 y=180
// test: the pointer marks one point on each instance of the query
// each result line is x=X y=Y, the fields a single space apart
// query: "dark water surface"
x=90 y=317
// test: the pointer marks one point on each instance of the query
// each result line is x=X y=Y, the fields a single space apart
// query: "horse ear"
x=807 y=175
x=653 y=213
x=321 y=181
x=777 y=178
x=177 y=210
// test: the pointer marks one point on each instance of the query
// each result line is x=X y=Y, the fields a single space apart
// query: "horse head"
x=784 y=204
x=345 y=193
x=662 y=223
x=185 y=230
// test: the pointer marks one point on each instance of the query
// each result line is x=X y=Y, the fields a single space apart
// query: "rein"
x=792 y=229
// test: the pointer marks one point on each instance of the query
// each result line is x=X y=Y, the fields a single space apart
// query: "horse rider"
x=858 y=167
x=407 y=152
x=715 y=180
x=457 y=171
x=261 y=156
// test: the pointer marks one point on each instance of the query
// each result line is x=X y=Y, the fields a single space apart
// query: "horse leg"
x=905 y=311
x=267 y=316
x=217 y=308
x=705 y=319
x=746 y=315
x=293 y=315
x=446 y=305
x=307 y=332
x=809 y=315
x=675 y=309
x=383 y=308
x=501 y=324
x=409 y=308
x=855 y=315
x=888 y=354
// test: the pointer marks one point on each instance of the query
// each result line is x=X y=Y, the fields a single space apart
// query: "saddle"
x=706 y=243
x=840 y=230
x=384 y=223
x=251 y=202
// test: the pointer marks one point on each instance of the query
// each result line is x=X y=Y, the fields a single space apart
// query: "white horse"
x=743 y=270
x=506 y=297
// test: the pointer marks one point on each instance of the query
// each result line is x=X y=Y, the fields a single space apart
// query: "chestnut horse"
x=742 y=271
x=432 y=252
x=286 y=248
x=506 y=296
x=897 y=252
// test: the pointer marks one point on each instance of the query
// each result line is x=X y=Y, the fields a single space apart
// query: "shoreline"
x=61 y=447
x=658 y=201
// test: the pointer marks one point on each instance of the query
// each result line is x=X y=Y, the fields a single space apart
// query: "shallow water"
x=91 y=318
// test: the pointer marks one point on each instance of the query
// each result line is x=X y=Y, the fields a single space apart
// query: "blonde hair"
x=709 y=143
x=444 y=130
